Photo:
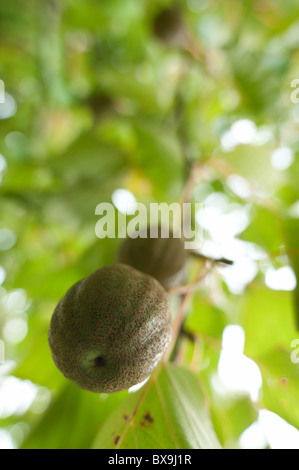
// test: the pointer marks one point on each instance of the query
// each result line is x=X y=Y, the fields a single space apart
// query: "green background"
x=100 y=96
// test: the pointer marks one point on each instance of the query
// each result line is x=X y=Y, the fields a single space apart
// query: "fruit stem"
x=187 y=292
x=217 y=260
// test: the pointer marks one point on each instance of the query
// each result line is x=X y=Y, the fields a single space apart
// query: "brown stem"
x=185 y=299
x=196 y=172
x=214 y=260
x=177 y=323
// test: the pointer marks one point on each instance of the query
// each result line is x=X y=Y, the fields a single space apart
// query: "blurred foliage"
x=140 y=95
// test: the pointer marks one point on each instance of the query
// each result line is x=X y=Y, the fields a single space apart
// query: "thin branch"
x=177 y=323
x=187 y=293
x=214 y=260
x=185 y=288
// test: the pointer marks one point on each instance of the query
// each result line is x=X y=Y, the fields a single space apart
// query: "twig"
x=185 y=299
x=191 y=287
x=217 y=260
x=177 y=324
x=196 y=171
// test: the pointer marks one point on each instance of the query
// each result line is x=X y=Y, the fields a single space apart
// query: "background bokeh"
x=139 y=96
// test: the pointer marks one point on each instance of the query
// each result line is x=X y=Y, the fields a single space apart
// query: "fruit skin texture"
x=110 y=329
x=163 y=258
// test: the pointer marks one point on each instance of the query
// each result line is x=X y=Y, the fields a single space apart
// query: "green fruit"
x=110 y=329
x=163 y=258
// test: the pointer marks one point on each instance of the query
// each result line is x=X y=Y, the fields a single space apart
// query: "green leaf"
x=205 y=318
x=267 y=318
x=72 y=419
x=280 y=392
x=259 y=75
x=37 y=363
x=265 y=229
x=292 y=230
x=169 y=412
x=231 y=418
